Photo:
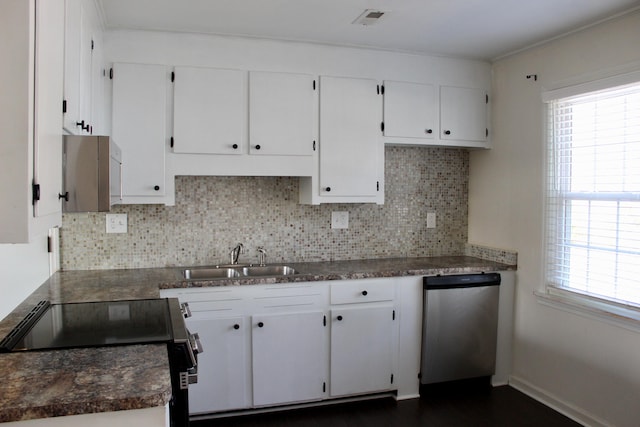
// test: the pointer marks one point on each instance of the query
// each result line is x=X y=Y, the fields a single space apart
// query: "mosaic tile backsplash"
x=212 y=214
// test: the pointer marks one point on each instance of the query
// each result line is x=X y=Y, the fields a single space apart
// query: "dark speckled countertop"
x=79 y=381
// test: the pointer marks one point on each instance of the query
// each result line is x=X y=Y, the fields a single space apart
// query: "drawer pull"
x=365 y=293
x=260 y=324
x=236 y=326
x=339 y=318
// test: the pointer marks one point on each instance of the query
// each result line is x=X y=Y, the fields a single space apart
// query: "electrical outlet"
x=431 y=220
x=116 y=223
x=340 y=219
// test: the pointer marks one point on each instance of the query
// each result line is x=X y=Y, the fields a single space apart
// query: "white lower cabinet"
x=267 y=345
x=361 y=349
x=289 y=357
x=222 y=366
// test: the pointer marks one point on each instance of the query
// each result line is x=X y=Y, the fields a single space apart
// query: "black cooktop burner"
x=91 y=324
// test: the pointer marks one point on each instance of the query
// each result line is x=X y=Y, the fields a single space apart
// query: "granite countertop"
x=78 y=381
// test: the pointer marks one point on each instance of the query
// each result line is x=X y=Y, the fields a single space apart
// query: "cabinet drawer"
x=362 y=291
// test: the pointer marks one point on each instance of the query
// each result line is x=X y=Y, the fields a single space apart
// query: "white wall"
x=587 y=368
x=23 y=268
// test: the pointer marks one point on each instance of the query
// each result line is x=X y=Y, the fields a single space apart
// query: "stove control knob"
x=186 y=311
x=196 y=345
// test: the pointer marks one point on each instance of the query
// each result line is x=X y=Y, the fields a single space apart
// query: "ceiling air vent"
x=369 y=17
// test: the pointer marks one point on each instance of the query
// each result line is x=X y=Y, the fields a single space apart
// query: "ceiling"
x=478 y=29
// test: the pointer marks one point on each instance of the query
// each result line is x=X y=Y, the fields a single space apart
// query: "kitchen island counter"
x=83 y=381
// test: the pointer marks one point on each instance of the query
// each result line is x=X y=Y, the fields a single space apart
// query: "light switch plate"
x=340 y=219
x=431 y=220
x=116 y=223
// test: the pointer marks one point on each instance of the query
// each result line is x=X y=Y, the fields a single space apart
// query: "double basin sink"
x=237 y=271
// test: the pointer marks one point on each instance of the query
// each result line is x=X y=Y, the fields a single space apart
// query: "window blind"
x=593 y=194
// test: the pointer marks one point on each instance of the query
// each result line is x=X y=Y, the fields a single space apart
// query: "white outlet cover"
x=116 y=223
x=431 y=220
x=340 y=219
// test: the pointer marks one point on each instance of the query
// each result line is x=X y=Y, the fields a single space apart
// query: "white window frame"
x=619 y=314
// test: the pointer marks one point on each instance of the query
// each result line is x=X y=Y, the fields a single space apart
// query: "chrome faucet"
x=263 y=256
x=235 y=253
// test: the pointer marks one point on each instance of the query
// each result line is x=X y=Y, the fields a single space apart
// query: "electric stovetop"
x=91 y=324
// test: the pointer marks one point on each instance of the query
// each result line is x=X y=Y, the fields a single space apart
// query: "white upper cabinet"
x=351 y=160
x=30 y=117
x=410 y=110
x=139 y=128
x=82 y=68
x=281 y=113
x=425 y=114
x=210 y=111
x=463 y=114
x=48 y=95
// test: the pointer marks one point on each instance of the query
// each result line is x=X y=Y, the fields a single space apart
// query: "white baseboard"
x=575 y=413
x=408 y=396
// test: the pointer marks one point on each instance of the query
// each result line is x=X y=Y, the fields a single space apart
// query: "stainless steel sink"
x=226 y=272
x=267 y=270
x=210 y=273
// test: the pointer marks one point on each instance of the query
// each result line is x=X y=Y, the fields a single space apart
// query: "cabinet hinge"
x=173 y=76
x=314 y=85
x=64 y=106
x=171 y=143
x=324 y=320
x=378 y=89
x=35 y=193
x=381 y=89
x=377 y=185
x=49 y=244
x=393 y=316
x=314 y=146
x=91 y=44
x=486 y=98
x=391 y=378
x=486 y=132
x=111 y=73
x=324 y=387
x=382 y=126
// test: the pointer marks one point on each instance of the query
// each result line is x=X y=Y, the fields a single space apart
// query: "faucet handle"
x=262 y=255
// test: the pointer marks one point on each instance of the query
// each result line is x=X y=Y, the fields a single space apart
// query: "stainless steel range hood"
x=92 y=172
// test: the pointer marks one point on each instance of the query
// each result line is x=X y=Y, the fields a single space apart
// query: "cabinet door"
x=139 y=111
x=350 y=137
x=281 y=108
x=222 y=366
x=72 y=22
x=289 y=357
x=361 y=350
x=409 y=110
x=48 y=96
x=86 y=66
x=210 y=111
x=463 y=114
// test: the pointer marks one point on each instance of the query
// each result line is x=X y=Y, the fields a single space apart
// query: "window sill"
x=582 y=305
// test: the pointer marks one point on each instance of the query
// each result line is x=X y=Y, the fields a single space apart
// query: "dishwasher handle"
x=461 y=281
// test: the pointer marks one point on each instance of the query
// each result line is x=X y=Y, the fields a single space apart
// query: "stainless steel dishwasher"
x=460 y=327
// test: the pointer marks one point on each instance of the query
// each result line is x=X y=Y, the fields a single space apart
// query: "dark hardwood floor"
x=441 y=406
